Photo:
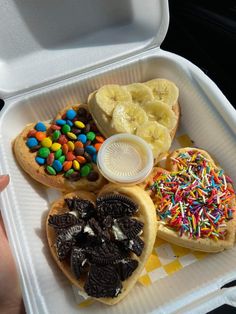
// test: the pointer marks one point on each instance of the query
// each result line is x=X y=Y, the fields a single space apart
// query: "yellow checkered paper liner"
x=166 y=258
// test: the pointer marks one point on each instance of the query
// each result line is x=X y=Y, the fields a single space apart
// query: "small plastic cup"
x=125 y=159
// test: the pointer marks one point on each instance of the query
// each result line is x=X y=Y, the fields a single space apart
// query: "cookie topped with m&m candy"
x=62 y=154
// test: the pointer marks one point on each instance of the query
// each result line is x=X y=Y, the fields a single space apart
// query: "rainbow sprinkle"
x=196 y=200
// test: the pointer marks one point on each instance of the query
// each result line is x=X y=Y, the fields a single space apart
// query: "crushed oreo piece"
x=64 y=246
x=85 y=208
x=62 y=221
x=97 y=229
x=103 y=282
x=75 y=230
x=78 y=261
x=66 y=239
x=105 y=254
x=85 y=240
x=117 y=232
x=136 y=245
x=130 y=227
x=95 y=226
x=93 y=241
x=89 y=230
x=116 y=206
x=126 y=267
x=107 y=222
x=70 y=203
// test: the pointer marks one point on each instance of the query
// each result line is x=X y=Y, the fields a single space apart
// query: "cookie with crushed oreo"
x=97 y=239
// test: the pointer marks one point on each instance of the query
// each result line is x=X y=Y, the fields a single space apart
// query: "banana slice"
x=102 y=121
x=161 y=112
x=127 y=117
x=156 y=135
x=109 y=95
x=164 y=90
x=140 y=93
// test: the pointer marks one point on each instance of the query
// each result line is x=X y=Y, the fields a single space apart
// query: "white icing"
x=83 y=294
x=131 y=243
x=89 y=230
x=119 y=235
x=139 y=234
x=84 y=261
x=117 y=291
x=123 y=261
x=74 y=213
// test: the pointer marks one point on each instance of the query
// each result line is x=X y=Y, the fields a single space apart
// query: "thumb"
x=4 y=180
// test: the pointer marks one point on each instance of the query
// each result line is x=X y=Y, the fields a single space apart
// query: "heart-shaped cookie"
x=62 y=154
x=102 y=244
x=194 y=200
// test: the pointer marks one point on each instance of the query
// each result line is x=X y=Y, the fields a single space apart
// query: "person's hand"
x=4 y=180
x=10 y=294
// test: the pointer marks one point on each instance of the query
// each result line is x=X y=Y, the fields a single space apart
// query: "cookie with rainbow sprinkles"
x=62 y=154
x=195 y=201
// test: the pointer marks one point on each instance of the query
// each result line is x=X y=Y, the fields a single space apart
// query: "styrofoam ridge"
x=24 y=194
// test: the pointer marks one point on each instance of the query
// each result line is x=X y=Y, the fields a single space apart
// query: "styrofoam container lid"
x=125 y=158
x=45 y=41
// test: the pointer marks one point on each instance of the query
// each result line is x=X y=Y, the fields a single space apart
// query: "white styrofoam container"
x=46 y=67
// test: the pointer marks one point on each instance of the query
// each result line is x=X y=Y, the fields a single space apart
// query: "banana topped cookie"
x=149 y=110
x=62 y=154
x=194 y=200
x=102 y=243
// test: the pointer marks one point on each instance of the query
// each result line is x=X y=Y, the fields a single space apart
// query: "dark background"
x=204 y=32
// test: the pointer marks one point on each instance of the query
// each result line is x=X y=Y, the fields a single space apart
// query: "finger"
x=4 y=180
x=2 y=227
